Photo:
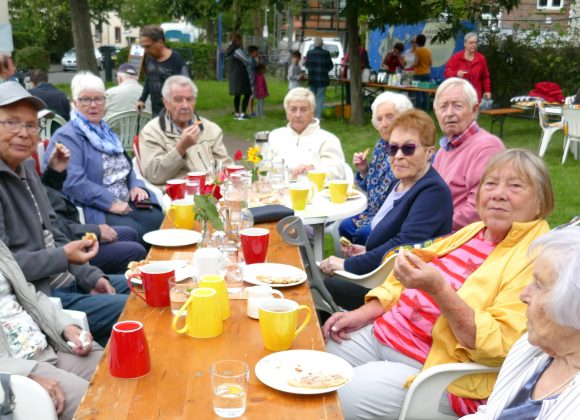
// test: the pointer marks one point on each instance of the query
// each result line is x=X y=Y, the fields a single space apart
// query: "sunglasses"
x=407 y=149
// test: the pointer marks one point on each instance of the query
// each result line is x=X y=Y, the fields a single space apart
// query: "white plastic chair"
x=571 y=117
x=422 y=399
x=124 y=124
x=374 y=278
x=31 y=401
x=549 y=126
x=46 y=125
x=78 y=316
x=150 y=187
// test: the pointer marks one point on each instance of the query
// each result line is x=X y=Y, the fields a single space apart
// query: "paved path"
x=233 y=144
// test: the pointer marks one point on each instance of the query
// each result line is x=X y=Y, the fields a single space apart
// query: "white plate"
x=352 y=195
x=275 y=369
x=180 y=266
x=275 y=270
x=172 y=237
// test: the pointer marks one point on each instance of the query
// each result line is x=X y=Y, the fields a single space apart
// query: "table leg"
x=318 y=236
x=501 y=121
x=342 y=100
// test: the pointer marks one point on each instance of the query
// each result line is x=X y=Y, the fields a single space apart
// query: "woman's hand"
x=72 y=334
x=54 y=391
x=138 y=194
x=353 y=249
x=301 y=169
x=461 y=73
x=59 y=158
x=119 y=207
x=331 y=264
x=340 y=324
x=359 y=160
x=81 y=251
x=414 y=273
x=108 y=234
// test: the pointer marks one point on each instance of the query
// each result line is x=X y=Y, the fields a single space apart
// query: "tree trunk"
x=356 y=95
x=82 y=37
x=211 y=30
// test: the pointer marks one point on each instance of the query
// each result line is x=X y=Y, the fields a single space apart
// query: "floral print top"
x=116 y=169
x=24 y=336
x=377 y=182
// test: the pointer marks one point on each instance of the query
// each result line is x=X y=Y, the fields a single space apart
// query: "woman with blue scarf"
x=100 y=177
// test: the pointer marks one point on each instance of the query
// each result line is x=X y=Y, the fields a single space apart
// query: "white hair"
x=83 y=81
x=401 y=102
x=318 y=42
x=300 y=94
x=179 y=80
x=561 y=249
x=469 y=35
x=469 y=92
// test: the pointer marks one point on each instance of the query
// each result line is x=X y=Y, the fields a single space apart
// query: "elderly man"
x=124 y=96
x=47 y=258
x=318 y=63
x=465 y=147
x=179 y=141
x=55 y=99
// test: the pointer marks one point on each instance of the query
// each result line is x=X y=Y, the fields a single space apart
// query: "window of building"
x=550 y=4
x=117 y=35
x=99 y=32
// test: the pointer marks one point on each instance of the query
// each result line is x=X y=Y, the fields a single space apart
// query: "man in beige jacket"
x=178 y=141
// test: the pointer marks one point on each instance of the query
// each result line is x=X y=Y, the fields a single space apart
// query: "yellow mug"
x=278 y=321
x=338 y=191
x=218 y=283
x=183 y=213
x=301 y=194
x=317 y=178
x=203 y=319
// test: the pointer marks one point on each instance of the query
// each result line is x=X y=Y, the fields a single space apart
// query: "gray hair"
x=561 y=249
x=469 y=92
x=300 y=94
x=470 y=35
x=318 y=42
x=85 y=80
x=401 y=103
x=180 y=81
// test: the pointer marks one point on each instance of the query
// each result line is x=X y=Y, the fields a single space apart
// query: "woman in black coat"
x=239 y=78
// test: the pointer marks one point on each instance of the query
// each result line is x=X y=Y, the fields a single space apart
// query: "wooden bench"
x=499 y=115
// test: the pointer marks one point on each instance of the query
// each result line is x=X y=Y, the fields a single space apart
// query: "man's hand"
x=140 y=106
x=103 y=287
x=119 y=207
x=108 y=234
x=487 y=95
x=302 y=169
x=59 y=158
x=189 y=137
x=54 y=391
x=353 y=249
x=72 y=334
x=82 y=251
x=138 y=194
x=331 y=264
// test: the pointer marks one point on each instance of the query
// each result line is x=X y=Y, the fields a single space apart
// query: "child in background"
x=253 y=53
x=295 y=73
x=261 y=88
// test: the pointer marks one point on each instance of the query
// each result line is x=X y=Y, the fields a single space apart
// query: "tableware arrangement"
x=179 y=292
x=155 y=277
x=207 y=261
x=204 y=318
x=192 y=188
x=278 y=322
x=255 y=244
x=338 y=191
x=301 y=193
x=181 y=213
x=277 y=369
x=197 y=176
x=317 y=177
x=232 y=169
x=172 y=237
x=218 y=283
x=350 y=195
x=176 y=264
x=175 y=188
x=128 y=351
x=229 y=381
x=274 y=275
x=256 y=296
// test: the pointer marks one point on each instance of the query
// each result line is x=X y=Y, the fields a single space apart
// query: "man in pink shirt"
x=466 y=148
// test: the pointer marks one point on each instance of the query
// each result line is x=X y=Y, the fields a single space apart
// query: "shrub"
x=199 y=58
x=29 y=58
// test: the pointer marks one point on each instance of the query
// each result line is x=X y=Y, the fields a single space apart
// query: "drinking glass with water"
x=229 y=380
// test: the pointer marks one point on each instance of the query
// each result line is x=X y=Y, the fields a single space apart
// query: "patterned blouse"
x=377 y=182
x=116 y=169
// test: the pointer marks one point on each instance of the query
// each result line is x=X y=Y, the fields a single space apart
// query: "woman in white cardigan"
x=540 y=377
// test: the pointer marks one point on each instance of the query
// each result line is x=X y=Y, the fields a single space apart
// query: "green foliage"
x=32 y=58
x=138 y=13
x=199 y=58
x=206 y=210
x=123 y=56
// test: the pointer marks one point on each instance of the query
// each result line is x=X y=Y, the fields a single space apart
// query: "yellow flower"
x=254 y=155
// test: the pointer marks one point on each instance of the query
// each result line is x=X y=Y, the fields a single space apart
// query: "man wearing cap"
x=124 y=96
x=55 y=265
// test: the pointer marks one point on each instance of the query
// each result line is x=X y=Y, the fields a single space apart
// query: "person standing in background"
x=471 y=66
x=422 y=68
x=394 y=59
x=295 y=73
x=160 y=63
x=253 y=53
x=318 y=63
x=240 y=84
x=261 y=87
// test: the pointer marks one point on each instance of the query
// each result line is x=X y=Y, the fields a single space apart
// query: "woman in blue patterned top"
x=374 y=176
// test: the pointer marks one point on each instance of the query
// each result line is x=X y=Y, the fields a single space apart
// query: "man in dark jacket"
x=318 y=63
x=55 y=100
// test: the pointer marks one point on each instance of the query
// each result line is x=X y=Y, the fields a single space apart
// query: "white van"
x=333 y=46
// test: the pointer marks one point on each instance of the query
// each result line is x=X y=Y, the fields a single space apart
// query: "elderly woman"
x=540 y=376
x=100 y=175
x=418 y=206
x=302 y=144
x=455 y=301
x=374 y=175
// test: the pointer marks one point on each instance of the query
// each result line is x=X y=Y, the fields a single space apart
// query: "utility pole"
x=6 y=43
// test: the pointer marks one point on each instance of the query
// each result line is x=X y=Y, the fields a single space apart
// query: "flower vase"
x=205 y=235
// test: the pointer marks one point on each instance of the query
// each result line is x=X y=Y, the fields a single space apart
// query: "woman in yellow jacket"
x=455 y=301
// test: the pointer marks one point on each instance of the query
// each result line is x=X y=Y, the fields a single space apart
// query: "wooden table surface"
x=178 y=385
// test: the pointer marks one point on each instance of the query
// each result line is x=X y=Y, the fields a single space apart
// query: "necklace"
x=558 y=388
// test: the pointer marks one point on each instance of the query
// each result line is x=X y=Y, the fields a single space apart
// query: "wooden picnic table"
x=499 y=115
x=178 y=386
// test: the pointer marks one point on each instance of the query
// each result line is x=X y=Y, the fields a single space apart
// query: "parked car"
x=333 y=46
x=69 y=60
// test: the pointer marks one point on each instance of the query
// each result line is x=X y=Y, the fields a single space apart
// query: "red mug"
x=175 y=188
x=154 y=277
x=255 y=244
x=197 y=176
x=128 y=351
x=232 y=169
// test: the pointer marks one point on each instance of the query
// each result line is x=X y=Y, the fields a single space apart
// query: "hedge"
x=29 y=58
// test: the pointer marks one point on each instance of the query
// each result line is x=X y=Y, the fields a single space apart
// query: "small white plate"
x=177 y=265
x=251 y=271
x=277 y=368
x=172 y=237
x=352 y=195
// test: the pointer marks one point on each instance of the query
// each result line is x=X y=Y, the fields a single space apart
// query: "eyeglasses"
x=99 y=100
x=407 y=149
x=13 y=126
